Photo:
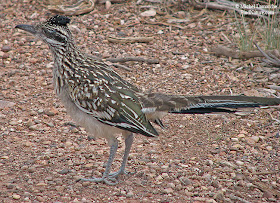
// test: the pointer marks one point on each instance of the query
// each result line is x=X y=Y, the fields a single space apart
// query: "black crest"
x=59 y=20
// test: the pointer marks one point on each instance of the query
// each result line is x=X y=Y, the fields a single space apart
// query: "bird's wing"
x=112 y=104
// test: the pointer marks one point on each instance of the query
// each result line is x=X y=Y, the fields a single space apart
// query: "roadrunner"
x=106 y=105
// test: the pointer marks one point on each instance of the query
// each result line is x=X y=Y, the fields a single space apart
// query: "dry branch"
x=273 y=59
x=262 y=186
x=231 y=6
x=121 y=66
x=130 y=39
x=126 y=59
x=81 y=7
x=225 y=51
x=166 y=24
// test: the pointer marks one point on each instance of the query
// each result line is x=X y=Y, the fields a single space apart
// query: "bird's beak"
x=28 y=28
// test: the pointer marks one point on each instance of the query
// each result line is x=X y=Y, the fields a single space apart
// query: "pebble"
x=6 y=48
x=4 y=104
x=269 y=148
x=68 y=143
x=89 y=165
x=187 y=76
x=234 y=139
x=64 y=171
x=40 y=199
x=4 y=157
x=164 y=175
x=241 y=135
x=171 y=185
x=31 y=169
x=33 y=127
x=149 y=13
x=209 y=162
x=130 y=194
x=219 y=196
x=41 y=184
x=185 y=181
x=239 y=163
x=59 y=188
x=51 y=112
x=16 y=196
x=168 y=190
x=159 y=178
x=253 y=139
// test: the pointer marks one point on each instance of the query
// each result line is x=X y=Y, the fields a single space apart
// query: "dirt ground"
x=197 y=158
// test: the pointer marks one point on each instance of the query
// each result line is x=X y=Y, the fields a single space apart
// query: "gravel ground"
x=197 y=158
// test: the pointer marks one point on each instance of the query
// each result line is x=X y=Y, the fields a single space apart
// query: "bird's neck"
x=70 y=51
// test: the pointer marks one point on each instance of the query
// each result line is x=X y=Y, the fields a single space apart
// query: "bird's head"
x=54 y=31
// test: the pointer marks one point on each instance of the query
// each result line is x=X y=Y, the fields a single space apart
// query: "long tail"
x=156 y=102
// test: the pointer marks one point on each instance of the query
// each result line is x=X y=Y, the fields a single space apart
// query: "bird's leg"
x=128 y=143
x=105 y=177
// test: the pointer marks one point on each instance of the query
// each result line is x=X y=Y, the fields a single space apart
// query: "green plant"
x=265 y=30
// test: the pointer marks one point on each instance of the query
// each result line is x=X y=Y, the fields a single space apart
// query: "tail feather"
x=156 y=102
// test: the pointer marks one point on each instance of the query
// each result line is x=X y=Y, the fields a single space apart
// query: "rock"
x=41 y=184
x=234 y=139
x=187 y=76
x=6 y=48
x=164 y=175
x=16 y=196
x=215 y=184
x=64 y=171
x=59 y=188
x=89 y=165
x=130 y=194
x=239 y=163
x=149 y=13
x=219 y=196
x=168 y=190
x=6 y=104
x=68 y=143
x=10 y=186
x=159 y=178
x=241 y=135
x=269 y=148
x=254 y=139
x=40 y=199
x=31 y=169
x=267 y=194
x=185 y=181
x=171 y=185
x=209 y=162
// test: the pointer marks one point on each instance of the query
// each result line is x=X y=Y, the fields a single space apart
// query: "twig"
x=230 y=6
x=265 y=172
x=81 y=7
x=121 y=66
x=130 y=39
x=112 y=1
x=271 y=59
x=262 y=186
x=233 y=197
x=277 y=120
x=225 y=51
x=226 y=38
x=139 y=59
x=164 y=23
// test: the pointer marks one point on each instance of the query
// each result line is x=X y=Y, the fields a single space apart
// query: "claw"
x=108 y=180
x=120 y=172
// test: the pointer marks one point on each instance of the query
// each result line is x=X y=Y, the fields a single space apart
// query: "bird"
x=106 y=105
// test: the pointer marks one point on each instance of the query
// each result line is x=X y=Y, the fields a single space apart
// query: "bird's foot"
x=106 y=180
x=120 y=172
